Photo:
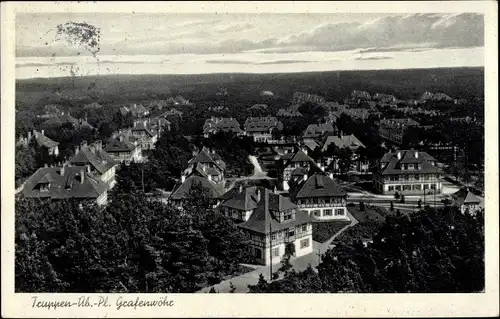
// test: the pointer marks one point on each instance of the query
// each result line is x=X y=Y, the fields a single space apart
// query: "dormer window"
x=43 y=187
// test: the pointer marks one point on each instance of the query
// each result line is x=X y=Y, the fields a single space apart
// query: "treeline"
x=431 y=251
x=134 y=245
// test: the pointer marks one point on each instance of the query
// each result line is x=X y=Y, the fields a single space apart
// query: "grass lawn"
x=370 y=213
x=322 y=231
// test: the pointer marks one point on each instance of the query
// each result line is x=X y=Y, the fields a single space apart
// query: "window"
x=433 y=186
x=406 y=177
x=417 y=187
x=391 y=188
x=304 y=227
x=327 y=212
x=273 y=237
x=291 y=233
x=327 y=200
x=339 y=212
x=398 y=187
x=304 y=243
x=276 y=252
x=406 y=187
x=316 y=212
x=426 y=186
x=417 y=177
x=315 y=200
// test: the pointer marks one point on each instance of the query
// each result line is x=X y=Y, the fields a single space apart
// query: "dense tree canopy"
x=134 y=245
x=431 y=251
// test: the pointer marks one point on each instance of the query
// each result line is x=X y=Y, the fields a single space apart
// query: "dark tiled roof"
x=392 y=165
x=463 y=196
x=349 y=141
x=43 y=140
x=117 y=145
x=224 y=124
x=245 y=200
x=262 y=217
x=206 y=156
x=99 y=160
x=262 y=124
x=144 y=126
x=181 y=191
x=68 y=185
x=316 y=185
x=316 y=130
x=299 y=156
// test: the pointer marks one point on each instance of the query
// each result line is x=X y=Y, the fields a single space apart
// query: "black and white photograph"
x=246 y=153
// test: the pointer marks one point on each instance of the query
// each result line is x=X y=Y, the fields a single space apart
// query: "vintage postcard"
x=254 y=159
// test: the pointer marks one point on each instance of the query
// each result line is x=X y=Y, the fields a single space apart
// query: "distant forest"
x=333 y=86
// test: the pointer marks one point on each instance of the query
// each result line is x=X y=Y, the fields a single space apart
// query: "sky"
x=257 y=43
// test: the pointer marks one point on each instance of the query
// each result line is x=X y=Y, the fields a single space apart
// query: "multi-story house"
x=293 y=165
x=136 y=110
x=289 y=112
x=317 y=131
x=320 y=196
x=123 y=150
x=358 y=164
x=393 y=130
x=300 y=98
x=209 y=162
x=146 y=134
x=408 y=172
x=65 y=118
x=42 y=141
x=196 y=177
x=57 y=183
x=467 y=202
x=271 y=222
x=100 y=163
x=224 y=124
x=261 y=128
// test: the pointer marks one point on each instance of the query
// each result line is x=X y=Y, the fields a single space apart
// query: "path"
x=299 y=264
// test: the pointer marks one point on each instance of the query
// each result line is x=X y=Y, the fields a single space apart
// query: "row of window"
x=315 y=200
x=329 y=212
x=411 y=187
x=410 y=177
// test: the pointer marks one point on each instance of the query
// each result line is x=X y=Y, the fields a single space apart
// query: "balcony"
x=322 y=205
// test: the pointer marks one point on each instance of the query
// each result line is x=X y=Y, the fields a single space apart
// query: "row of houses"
x=260 y=128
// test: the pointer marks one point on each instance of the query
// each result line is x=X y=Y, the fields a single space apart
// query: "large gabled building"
x=271 y=222
x=41 y=140
x=100 y=163
x=196 y=177
x=57 y=183
x=209 y=162
x=393 y=130
x=408 y=172
x=146 y=134
x=319 y=195
x=124 y=148
x=261 y=128
x=293 y=164
x=224 y=124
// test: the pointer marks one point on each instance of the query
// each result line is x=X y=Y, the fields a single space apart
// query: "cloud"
x=221 y=61
x=373 y=58
x=404 y=32
x=270 y=35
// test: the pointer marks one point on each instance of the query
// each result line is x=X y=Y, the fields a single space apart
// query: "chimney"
x=82 y=175
x=83 y=145
x=304 y=150
x=204 y=169
x=330 y=175
x=183 y=178
x=416 y=154
x=121 y=138
x=241 y=188
x=257 y=194
x=61 y=172
x=399 y=155
x=29 y=135
x=77 y=149
x=305 y=177
x=45 y=165
x=210 y=177
x=135 y=123
x=43 y=132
